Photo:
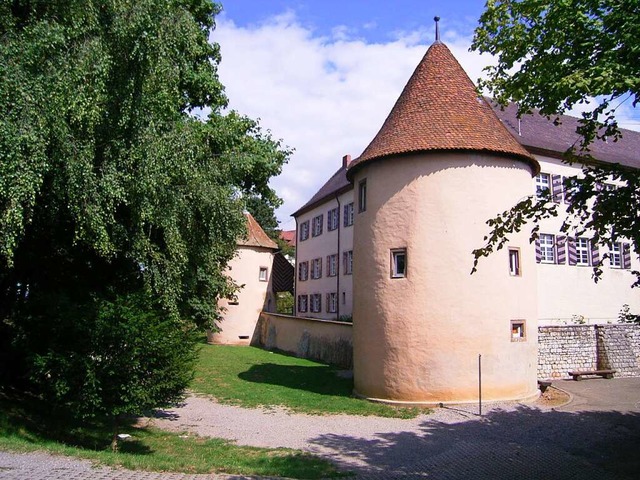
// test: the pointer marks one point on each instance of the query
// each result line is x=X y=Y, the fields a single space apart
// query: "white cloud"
x=324 y=96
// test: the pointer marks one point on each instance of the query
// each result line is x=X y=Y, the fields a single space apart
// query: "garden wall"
x=324 y=340
x=560 y=348
x=588 y=347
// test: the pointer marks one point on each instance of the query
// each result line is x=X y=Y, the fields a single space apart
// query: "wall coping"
x=308 y=319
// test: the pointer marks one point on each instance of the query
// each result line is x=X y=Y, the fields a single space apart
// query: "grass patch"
x=252 y=377
x=25 y=427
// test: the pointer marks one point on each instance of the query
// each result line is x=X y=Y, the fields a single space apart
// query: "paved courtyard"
x=597 y=435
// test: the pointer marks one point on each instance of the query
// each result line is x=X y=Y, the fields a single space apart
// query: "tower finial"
x=437 y=20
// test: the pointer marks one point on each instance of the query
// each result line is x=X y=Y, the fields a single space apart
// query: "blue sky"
x=322 y=75
x=375 y=21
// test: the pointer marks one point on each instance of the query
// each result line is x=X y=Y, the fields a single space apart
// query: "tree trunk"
x=114 y=439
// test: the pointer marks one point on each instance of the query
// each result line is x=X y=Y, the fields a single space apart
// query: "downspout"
x=295 y=275
x=338 y=260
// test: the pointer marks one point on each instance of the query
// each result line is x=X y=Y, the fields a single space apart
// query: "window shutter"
x=538 y=251
x=568 y=183
x=556 y=188
x=561 y=250
x=344 y=219
x=626 y=256
x=571 y=247
x=327 y=306
x=595 y=254
x=320 y=269
x=344 y=262
x=328 y=264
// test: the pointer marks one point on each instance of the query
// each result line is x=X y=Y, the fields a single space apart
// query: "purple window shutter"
x=561 y=250
x=556 y=188
x=568 y=191
x=320 y=269
x=327 y=306
x=626 y=256
x=595 y=254
x=538 y=252
x=571 y=247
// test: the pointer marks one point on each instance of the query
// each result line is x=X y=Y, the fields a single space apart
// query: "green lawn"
x=253 y=377
x=24 y=427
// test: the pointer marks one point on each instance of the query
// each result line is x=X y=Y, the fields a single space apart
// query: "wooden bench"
x=578 y=374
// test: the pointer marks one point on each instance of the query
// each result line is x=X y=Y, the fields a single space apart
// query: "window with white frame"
x=316 y=268
x=303 y=271
x=332 y=265
x=362 y=195
x=615 y=255
x=302 y=303
x=332 y=302
x=316 y=302
x=514 y=262
x=582 y=251
x=347 y=258
x=399 y=263
x=333 y=219
x=348 y=214
x=264 y=271
x=316 y=226
x=304 y=231
x=543 y=183
x=547 y=248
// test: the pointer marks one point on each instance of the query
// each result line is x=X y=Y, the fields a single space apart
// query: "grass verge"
x=24 y=427
x=252 y=377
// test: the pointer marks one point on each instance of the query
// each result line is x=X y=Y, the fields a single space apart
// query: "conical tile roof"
x=439 y=109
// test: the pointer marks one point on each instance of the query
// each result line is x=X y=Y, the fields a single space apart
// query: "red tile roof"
x=439 y=109
x=256 y=236
x=289 y=236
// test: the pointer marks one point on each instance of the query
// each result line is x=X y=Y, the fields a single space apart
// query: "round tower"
x=440 y=166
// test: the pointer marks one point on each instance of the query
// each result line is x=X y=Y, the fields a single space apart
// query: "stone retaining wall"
x=588 y=347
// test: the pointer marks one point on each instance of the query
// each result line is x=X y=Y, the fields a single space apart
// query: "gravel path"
x=510 y=441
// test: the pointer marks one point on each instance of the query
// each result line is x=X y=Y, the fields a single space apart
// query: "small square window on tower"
x=514 y=262
x=399 y=263
x=518 y=331
x=264 y=274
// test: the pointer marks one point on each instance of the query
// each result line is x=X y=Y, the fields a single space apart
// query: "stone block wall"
x=588 y=347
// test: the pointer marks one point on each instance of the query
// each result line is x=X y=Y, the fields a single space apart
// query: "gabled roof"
x=256 y=236
x=439 y=109
x=539 y=135
x=337 y=184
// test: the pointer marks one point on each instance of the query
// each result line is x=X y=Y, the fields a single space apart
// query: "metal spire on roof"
x=437 y=20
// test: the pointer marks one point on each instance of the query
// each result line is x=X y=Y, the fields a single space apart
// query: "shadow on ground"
x=320 y=379
x=522 y=444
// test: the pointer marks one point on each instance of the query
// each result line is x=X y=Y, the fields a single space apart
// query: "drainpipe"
x=338 y=260
x=295 y=275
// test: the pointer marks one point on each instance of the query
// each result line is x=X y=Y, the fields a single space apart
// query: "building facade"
x=252 y=270
x=389 y=240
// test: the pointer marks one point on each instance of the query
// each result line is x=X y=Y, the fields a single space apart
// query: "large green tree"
x=111 y=188
x=553 y=55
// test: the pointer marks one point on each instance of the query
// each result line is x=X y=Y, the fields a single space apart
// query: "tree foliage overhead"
x=110 y=185
x=551 y=57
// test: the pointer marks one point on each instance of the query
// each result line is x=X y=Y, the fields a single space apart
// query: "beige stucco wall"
x=565 y=291
x=417 y=339
x=320 y=247
x=239 y=321
x=324 y=340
